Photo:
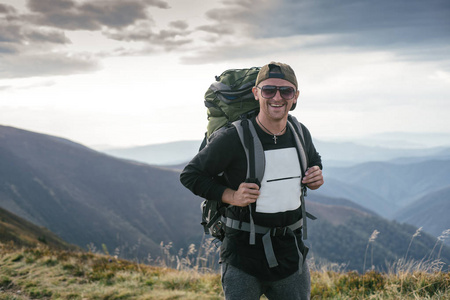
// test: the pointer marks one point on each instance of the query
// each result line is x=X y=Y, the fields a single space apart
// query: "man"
x=249 y=270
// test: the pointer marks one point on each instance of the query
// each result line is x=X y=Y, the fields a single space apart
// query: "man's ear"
x=294 y=101
x=255 y=93
x=297 y=93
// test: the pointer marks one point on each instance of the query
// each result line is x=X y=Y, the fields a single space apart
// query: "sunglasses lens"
x=287 y=92
x=268 y=91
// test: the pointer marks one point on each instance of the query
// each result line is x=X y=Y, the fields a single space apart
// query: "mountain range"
x=383 y=180
x=93 y=199
x=87 y=197
x=379 y=173
x=381 y=148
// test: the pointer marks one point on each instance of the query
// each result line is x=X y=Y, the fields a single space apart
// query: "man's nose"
x=278 y=95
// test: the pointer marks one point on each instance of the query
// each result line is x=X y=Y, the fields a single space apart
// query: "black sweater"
x=225 y=155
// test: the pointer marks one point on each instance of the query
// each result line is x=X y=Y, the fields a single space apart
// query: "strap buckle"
x=278 y=231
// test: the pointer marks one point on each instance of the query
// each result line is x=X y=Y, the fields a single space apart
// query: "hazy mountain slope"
x=430 y=212
x=348 y=154
x=23 y=233
x=357 y=194
x=397 y=184
x=159 y=154
x=317 y=197
x=342 y=154
x=341 y=235
x=410 y=140
x=88 y=197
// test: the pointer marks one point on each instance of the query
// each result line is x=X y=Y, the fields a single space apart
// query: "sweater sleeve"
x=314 y=158
x=219 y=156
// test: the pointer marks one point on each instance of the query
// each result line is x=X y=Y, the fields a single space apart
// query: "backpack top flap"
x=230 y=96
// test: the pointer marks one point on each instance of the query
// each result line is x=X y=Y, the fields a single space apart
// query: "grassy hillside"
x=21 y=232
x=42 y=273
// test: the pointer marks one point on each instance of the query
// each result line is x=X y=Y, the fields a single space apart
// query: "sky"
x=122 y=73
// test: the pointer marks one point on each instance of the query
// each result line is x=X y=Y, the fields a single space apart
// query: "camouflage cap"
x=277 y=70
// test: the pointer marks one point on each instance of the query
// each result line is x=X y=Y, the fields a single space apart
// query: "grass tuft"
x=45 y=273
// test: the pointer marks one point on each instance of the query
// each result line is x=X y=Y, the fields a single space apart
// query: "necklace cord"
x=270 y=132
x=275 y=136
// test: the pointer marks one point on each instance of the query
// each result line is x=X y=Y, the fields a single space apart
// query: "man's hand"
x=313 y=178
x=246 y=194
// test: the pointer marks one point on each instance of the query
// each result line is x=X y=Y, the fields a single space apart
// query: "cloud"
x=7 y=9
x=14 y=31
x=182 y=25
x=29 y=50
x=220 y=29
x=41 y=32
x=29 y=65
x=90 y=15
x=33 y=43
x=414 y=29
x=165 y=39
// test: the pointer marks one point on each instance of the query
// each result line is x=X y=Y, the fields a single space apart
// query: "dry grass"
x=43 y=273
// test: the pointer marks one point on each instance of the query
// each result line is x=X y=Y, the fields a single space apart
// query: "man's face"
x=277 y=107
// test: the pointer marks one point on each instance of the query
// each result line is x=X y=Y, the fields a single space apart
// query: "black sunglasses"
x=269 y=91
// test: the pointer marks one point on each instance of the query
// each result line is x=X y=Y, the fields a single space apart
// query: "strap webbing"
x=255 y=161
x=267 y=238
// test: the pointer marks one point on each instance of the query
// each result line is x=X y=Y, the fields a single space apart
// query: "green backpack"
x=230 y=101
x=229 y=97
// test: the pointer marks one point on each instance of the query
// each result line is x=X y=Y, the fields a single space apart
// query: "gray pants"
x=238 y=285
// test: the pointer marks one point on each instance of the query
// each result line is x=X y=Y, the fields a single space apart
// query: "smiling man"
x=274 y=263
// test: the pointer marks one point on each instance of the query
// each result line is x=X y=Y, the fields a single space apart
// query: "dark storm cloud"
x=92 y=15
x=166 y=39
x=26 y=49
x=310 y=17
x=389 y=25
x=13 y=30
x=369 y=23
x=28 y=40
x=122 y=20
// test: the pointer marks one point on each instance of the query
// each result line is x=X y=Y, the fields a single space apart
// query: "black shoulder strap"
x=296 y=128
x=256 y=161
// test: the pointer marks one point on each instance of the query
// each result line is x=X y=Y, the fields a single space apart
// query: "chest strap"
x=268 y=232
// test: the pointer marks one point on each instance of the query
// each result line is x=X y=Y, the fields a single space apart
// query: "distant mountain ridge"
x=159 y=154
x=414 y=192
x=336 y=154
x=400 y=184
x=430 y=212
x=88 y=197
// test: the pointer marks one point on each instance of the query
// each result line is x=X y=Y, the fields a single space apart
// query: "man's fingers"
x=313 y=178
x=248 y=185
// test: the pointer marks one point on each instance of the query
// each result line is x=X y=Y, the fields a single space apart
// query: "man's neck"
x=270 y=125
